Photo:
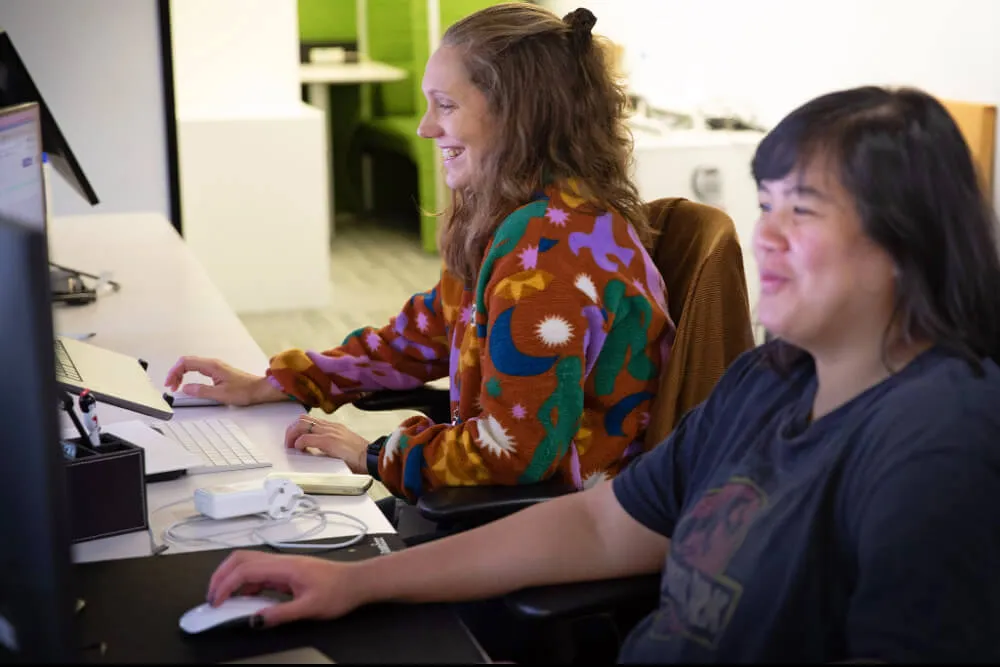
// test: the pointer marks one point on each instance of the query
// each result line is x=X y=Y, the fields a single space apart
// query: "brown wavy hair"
x=559 y=113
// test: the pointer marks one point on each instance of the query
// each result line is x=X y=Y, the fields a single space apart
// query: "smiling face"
x=823 y=282
x=457 y=118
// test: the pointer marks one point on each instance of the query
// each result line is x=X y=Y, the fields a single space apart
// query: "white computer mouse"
x=235 y=610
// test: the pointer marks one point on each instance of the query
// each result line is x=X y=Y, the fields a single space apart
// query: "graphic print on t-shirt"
x=698 y=597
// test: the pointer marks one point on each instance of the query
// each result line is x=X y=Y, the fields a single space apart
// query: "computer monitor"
x=22 y=183
x=36 y=596
x=17 y=87
x=22 y=190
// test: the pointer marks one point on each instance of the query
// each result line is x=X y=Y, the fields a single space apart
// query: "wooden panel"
x=978 y=124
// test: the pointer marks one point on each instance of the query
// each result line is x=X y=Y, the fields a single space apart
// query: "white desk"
x=368 y=71
x=317 y=77
x=168 y=307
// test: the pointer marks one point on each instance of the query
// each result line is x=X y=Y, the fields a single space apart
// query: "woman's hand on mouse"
x=320 y=589
x=331 y=438
x=229 y=385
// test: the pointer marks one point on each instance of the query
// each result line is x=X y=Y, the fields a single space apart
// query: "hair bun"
x=580 y=21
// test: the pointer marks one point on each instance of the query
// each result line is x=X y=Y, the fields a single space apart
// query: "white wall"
x=252 y=156
x=97 y=64
x=235 y=54
x=769 y=56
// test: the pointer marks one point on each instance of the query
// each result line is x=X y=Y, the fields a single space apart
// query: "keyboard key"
x=65 y=368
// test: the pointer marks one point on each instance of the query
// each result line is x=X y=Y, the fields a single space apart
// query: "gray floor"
x=375 y=266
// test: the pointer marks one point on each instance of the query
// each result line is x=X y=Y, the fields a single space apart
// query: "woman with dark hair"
x=899 y=161
x=836 y=497
x=550 y=318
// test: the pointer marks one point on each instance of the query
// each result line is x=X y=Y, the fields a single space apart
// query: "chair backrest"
x=698 y=252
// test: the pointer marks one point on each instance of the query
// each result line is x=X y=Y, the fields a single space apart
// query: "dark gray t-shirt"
x=873 y=532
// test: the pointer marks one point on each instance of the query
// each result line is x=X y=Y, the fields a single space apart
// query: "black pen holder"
x=106 y=487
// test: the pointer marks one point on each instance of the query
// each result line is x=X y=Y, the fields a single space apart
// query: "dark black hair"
x=907 y=167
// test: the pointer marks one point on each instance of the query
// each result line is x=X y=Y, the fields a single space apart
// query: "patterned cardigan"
x=553 y=357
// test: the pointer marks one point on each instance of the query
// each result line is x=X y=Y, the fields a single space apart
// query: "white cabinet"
x=708 y=166
x=255 y=207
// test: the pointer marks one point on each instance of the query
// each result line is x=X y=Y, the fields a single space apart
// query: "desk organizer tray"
x=106 y=487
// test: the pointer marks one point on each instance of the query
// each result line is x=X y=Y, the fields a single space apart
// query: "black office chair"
x=454 y=509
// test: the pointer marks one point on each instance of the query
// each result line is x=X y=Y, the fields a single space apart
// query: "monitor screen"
x=17 y=87
x=36 y=595
x=22 y=188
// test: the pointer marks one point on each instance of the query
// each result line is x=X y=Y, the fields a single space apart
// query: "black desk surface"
x=134 y=605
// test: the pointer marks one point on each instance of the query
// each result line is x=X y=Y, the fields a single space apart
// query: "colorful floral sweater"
x=553 y=357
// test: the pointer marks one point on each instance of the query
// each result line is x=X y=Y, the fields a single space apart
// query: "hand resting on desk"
x=229 y=385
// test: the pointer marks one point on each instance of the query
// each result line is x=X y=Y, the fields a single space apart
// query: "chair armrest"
x=455 y=505
x=565 y=601
x=431 y=401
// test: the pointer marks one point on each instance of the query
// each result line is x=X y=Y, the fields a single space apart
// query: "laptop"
x=113 y=378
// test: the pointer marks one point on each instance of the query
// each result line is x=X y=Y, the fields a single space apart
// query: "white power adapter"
x=272 y=502
x=274 y=497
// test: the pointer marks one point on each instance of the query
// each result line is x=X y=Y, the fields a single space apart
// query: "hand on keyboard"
x=229 y=385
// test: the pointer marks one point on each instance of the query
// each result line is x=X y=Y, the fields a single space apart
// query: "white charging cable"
x=281 y=512
x=308 y=507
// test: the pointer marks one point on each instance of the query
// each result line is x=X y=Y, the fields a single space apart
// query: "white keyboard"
x=220 y=443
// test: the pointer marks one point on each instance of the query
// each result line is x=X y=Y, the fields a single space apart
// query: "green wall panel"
x=333 y=20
